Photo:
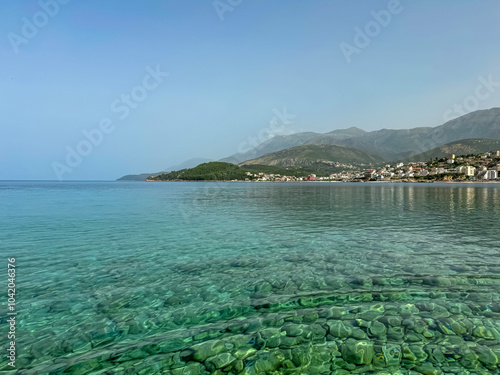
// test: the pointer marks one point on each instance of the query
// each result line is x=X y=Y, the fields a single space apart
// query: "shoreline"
x=323 y=181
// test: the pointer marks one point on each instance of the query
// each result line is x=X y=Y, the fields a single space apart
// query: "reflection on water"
x=197 y=278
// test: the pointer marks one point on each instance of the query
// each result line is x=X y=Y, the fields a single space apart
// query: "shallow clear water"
x=116 y=277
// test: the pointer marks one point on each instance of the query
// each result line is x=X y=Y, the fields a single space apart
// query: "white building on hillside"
x=469 y=171
x=491 y=175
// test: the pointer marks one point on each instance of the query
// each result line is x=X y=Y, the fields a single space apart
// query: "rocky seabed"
x=429 y=337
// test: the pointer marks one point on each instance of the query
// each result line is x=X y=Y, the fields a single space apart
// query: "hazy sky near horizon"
x=98 y=89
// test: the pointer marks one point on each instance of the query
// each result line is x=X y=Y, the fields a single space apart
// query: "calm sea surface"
x=252 y=278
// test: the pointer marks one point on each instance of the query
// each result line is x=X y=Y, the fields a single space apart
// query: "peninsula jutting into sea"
x=466 y=168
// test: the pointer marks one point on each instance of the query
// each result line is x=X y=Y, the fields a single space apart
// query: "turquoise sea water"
x=252 y=278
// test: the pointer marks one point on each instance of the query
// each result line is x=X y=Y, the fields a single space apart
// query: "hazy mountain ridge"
x=461 y=147
x=389 y=143
x=277 y=143
x=307 y=155
x=347 y=133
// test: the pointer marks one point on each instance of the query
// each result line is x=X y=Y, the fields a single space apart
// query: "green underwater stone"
x=317 y=332
x=371 y=315
x=244 y=353
x=219 y=361
x=192 y=368
x=428 y=369
x=460 y=308
x=207 y=349
x=418 y=351
x=338 y=328
x=301 y=356
x=288 y=342
x=395 y=333
x=486 y=356
x=268 y=333
x=378 y=357
x=458 y=327
x=294 y=330
x=483 y=332
x=269 y=361
x=273 y=342
x=263 y=289
x=377 y=329
x=445 y=328
x=239 y=327
x=357 y=352
x=358 y=334
x=336 y=312
x=341 y=372
x=321 y=355
x=310 y=317
x=469 y=359
x=408 y=354
x=391 y=320
x=200 y=336
x=438 y=355
x=392 y=354
x=362 y=323
x=413 y=337
x=408 y=309
x=238 y=365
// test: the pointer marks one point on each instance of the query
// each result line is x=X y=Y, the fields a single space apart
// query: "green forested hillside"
x=207 y=171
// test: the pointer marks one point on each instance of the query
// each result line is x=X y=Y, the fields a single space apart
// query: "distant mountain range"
x=388 y=144
x=282 y=142
x=318 y=156
x=472 y=133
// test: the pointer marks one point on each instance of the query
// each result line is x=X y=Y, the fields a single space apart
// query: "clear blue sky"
x=225 y=76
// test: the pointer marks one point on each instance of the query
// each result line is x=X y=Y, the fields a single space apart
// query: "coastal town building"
x=478 y=167
x=490 y=175
x=469 y=171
